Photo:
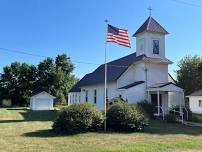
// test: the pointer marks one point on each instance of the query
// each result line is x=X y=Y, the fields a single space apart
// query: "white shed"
x=41 y=101
x=195 y=102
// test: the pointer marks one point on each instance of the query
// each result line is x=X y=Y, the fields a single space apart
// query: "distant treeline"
x=20 y=80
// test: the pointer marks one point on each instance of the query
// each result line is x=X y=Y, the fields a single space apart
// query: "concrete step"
x=189 y=123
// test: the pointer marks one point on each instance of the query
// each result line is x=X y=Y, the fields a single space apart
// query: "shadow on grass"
x=29 y=115
x=11 y=121
x=16 y=109
x=49 y=133
x=164 y=128
x=156 y=128
x=39 y=115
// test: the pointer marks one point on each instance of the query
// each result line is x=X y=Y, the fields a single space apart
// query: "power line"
x=43 y=56
x=187 y=3
x=23 y=52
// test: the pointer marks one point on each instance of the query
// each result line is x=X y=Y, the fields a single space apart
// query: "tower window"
x=155 y=46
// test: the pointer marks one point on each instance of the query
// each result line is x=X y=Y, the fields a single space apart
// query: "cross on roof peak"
x=150 y=10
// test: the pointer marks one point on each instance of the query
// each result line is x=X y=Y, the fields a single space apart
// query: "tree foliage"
x=189 y=75
x=20 y=80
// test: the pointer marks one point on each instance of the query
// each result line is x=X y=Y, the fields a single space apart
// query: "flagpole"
x=105 y=90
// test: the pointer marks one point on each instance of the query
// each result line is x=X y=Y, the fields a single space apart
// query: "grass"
x=24 y=130
x=197 y=117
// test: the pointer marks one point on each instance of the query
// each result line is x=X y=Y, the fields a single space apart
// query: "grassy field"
x=197 y=117
x=22 y=130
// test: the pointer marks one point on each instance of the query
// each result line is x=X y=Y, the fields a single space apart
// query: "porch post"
x=158 y=100
x=148 y=96
x=180 y=98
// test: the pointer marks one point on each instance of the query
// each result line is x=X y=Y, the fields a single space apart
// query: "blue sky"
x=76 y=27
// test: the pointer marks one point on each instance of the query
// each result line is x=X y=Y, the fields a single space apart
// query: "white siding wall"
x=41 y=102
x=134 y=94
x=111 y=89
x=156 y=73
x=173 y=99
x=194 y=104
x=146 y=40
x=134 y=73
x=171 y=79
x=73 y=97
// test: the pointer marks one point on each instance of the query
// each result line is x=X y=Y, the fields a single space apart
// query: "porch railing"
x=175 y=111
x=163 y=113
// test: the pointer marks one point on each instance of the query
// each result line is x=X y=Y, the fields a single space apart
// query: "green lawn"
x=23 y=130
x=197 y=117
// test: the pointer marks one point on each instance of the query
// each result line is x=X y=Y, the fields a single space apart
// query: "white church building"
x=137 y=77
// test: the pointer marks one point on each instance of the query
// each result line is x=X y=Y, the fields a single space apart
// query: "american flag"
x=119 y=36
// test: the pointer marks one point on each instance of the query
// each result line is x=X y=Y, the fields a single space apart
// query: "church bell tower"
x=150 y=39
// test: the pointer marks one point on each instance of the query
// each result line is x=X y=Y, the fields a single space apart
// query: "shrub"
x=6 y=103
x=125 y=117
x=177 y=108
x=78 y=118
x=171 y=118
x=147 y=108
x=60 y=98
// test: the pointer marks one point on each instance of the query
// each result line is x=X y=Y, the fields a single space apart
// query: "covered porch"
x=164 y=96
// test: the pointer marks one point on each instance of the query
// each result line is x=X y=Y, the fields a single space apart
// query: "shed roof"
x=197 y=93
x=43 y=92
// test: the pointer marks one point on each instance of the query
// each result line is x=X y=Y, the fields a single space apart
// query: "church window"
x=86 y=95
x=155 y=46
x=95 y=96
x=200 y=103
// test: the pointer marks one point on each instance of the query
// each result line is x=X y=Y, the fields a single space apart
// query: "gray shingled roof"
x=114 y=70
x=132 y=85
x=151 y=25
x=196 y=93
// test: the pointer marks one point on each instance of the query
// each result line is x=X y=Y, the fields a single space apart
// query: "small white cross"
x=150 y=10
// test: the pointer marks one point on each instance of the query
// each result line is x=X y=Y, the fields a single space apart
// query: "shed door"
x=42 y=104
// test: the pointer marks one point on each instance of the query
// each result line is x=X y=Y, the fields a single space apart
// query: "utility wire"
x=23 y=52
x=187 y=3
x=43 y=56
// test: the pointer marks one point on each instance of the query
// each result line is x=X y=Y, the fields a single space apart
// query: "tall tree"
x=17 y=81
x=64 y=63
x=188 y=75
x=45 y=76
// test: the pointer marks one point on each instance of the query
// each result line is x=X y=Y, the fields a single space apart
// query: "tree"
x=64 y=63
x=190 y=73
x=17 y=81
x=45 y=77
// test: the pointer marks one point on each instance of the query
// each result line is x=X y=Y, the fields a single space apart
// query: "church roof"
x=114 y=70
x=151 y=25
x=132 y=84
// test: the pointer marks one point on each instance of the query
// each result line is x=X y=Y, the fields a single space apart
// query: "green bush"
x=147 y=108
x=60 y=98
x=171 y=118
x=125 y=117
x=78 y=118
x=6 y=103
x=177 y=108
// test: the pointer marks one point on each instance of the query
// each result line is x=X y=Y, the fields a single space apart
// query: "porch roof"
x=168 y=87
